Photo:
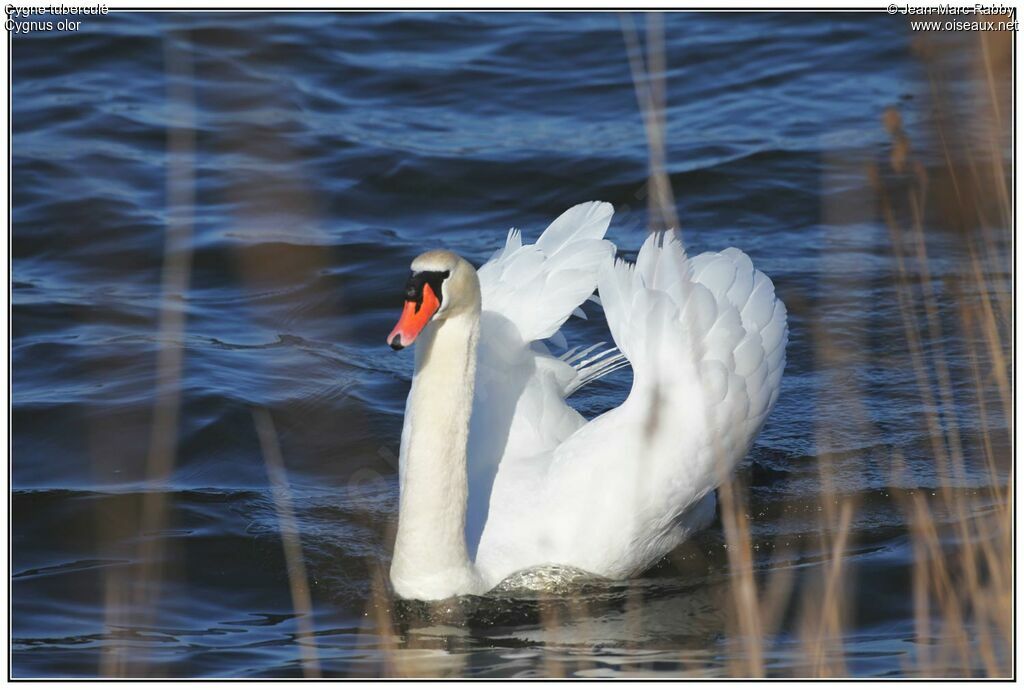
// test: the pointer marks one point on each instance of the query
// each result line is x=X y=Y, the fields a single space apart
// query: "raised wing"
x=538 y=286
x=706 y=340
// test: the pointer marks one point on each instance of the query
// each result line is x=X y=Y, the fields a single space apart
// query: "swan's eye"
x=413 y=289
x=417 y=279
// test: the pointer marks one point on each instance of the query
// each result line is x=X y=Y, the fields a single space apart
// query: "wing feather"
x=538 y=286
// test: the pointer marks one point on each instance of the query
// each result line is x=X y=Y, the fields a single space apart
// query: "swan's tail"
x=705 y=337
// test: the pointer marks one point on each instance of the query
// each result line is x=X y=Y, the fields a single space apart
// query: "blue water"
x=215 y=213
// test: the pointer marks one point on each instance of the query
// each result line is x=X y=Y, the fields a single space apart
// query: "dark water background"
x=245 y=192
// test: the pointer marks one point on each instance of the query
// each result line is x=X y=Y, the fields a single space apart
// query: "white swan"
x=499 y=475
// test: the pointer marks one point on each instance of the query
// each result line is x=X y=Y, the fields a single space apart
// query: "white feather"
x=537 y=287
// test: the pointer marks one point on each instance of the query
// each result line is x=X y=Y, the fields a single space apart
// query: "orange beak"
x=413 y=319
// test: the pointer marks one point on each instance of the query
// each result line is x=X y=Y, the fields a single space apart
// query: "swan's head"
x=441 y=285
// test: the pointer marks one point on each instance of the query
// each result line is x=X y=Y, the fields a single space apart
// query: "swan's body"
x=499 y=474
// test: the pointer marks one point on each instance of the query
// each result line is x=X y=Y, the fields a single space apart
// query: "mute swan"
x=498 y=475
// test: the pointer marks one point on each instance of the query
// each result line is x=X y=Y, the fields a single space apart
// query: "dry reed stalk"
x=291 y=542
x=379 y=606
x=135 y=600
x=778 y=590
x=827 y=626
x=551 y=620
x=743 y=587
x=649 y=83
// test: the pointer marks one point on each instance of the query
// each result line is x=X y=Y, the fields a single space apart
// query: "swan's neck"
x=430 y=558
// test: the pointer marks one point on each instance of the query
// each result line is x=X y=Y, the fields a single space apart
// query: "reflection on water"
x=325 y=151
